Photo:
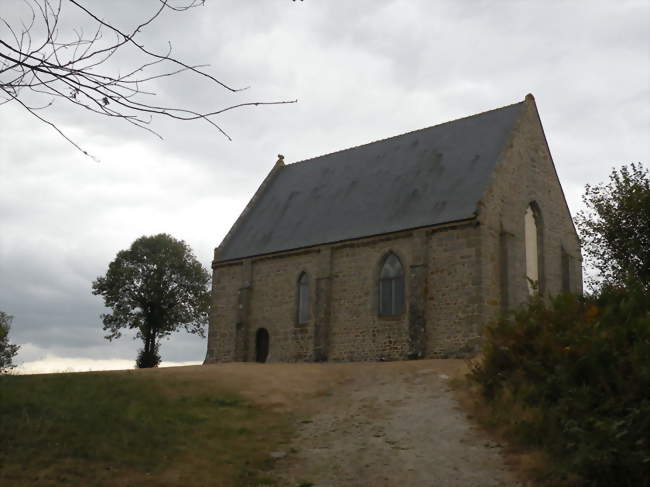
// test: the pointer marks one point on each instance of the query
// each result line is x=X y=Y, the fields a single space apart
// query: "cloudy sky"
x=360 y=70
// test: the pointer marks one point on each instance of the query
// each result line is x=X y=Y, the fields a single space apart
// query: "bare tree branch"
x=37 y=60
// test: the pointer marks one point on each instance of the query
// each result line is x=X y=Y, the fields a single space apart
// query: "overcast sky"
x=360 y=70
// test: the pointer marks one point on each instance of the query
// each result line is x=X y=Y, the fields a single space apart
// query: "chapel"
x=402 y=248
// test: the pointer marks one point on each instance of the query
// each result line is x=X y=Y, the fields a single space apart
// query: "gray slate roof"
x=426 y=177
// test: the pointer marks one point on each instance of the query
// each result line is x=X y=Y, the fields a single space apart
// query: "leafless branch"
x=37 y=61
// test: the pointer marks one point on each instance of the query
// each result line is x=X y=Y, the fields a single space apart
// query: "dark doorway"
x=261 y=345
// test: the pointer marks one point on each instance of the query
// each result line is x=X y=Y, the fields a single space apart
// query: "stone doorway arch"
x=262 y=343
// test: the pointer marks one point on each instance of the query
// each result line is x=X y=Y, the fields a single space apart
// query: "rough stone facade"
x=457 y=275
x=526 y=175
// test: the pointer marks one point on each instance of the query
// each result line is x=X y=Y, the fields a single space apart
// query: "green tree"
x=615 y=228
x=155 y=287
x=7 y=350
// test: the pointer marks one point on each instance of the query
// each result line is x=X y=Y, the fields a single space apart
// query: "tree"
x=615 y=228
x=155 y=287
x=7 y=350
x=95 y=65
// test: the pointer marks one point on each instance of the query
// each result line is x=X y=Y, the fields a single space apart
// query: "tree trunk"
x=153 y=324
x=149 y=341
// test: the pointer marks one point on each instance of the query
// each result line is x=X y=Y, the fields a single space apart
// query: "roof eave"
x=438 y=226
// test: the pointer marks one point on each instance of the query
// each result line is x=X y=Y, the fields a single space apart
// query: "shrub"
x=148 y=358
x=573 y=377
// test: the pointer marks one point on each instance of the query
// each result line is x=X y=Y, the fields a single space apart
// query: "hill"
x=242 y=425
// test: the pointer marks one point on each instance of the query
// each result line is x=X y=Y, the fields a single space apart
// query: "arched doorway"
x=261 y=345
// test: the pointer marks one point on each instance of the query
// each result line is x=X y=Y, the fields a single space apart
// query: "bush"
x=573 y=377
x=148 y=358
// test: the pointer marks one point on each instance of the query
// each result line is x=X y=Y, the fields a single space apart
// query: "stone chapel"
x=402 y=248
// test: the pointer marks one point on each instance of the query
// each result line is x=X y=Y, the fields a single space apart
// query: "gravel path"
x=392 y=425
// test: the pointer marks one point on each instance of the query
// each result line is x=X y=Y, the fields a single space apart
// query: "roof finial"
x=280 y=161
x=530 y=97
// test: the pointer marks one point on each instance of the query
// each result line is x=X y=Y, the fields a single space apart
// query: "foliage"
x=7 y=350
x=148 y=358
x=156 y=287
x=573 y=377
x=134 y=427
x=615 y=229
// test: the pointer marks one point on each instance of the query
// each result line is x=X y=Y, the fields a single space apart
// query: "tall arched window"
x=303 y=298
x=533 y=247
x=391 y=287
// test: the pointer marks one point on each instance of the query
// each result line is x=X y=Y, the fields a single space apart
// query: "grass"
x=530 y=464
x=133 y=428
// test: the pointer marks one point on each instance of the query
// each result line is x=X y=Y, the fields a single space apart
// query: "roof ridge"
x=288 y=166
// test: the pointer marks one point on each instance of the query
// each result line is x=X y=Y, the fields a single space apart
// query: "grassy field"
x=139 y=428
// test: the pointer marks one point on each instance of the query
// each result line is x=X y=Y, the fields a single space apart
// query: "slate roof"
x=426 y=177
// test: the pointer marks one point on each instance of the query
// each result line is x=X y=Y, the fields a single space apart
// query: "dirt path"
x=393 y=424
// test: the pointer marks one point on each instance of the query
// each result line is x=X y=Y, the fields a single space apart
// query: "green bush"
x=148 y=358
x=573 y=377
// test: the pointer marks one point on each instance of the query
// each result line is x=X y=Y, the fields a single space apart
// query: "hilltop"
x=244 y=424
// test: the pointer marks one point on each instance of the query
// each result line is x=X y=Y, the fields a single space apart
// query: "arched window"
x=391 y=287
x=533 y=247
x=303 y=298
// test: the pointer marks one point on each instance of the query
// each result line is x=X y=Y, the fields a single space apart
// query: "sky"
x=360 y=71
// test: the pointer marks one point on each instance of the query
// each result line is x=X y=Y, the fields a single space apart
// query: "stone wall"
x=226 y=283
x=454 y=292
x=441 y=317
x=357 y=332
x=526 y=174
x=274 y=306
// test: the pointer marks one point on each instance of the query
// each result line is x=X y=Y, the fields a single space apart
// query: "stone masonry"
x=458 y=275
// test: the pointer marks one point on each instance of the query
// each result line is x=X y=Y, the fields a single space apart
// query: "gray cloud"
x=360 y=70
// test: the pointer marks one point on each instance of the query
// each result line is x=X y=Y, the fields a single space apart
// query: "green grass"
x=131 y=428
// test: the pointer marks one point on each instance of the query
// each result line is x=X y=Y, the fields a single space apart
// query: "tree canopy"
x=156 y=287
x=7 y=350
x=615 y=227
